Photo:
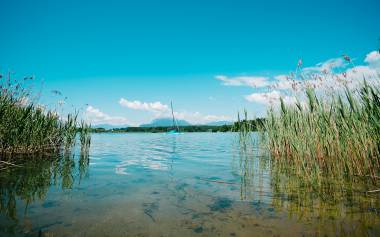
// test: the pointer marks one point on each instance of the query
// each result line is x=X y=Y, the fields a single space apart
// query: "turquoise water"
x=191 y=184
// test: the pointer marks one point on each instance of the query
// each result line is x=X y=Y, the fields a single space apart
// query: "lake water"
x=193 y=184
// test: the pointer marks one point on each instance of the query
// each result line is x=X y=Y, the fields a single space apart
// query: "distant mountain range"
x=219 y=123
x=165 y=122
x=109 y=126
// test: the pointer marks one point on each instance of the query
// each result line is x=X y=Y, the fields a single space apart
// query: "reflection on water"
x=199 y=184
x=337 y=207
x=31 y=180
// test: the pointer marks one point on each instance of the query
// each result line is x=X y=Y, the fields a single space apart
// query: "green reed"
x=327 y=198
x=26 y=127
x=332 y=200
x=337 y=137
x=85 y=135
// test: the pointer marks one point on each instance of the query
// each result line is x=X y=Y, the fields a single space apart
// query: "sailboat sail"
x=175 y=124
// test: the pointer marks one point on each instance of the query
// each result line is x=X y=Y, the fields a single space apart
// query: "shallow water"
x=193 y=184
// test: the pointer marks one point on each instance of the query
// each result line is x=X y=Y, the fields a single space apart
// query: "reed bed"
x=330 y=131
x=295 y=195
x=27 y=128
x=336 y=137
x=85 y=136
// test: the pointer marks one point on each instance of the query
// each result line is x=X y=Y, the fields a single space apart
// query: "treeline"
x=253 y=124
x=201 y=128
x=248 y=125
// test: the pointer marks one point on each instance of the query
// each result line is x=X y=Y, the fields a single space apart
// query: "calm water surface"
x=195 y=184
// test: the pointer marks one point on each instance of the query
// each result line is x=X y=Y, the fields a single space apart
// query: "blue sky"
x=99 y=52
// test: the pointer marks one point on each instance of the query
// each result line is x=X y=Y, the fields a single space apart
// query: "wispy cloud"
x=147 y=106
x=161 y=110
x=373 y=60
x=199 y=118
x=327 y=66
x=270 y=98
x=95 y=117
x=331 y=75
x=251 y=81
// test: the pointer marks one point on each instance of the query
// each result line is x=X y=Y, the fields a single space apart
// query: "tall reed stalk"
x=337 y=137
x=26 y=127
x=85 y=135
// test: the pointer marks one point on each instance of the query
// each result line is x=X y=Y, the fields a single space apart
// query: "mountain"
x=165 y=122
x=162 y=122
x=219 y=123
x=109 y=126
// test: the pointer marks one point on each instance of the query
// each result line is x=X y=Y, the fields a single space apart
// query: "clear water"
x=192 y=184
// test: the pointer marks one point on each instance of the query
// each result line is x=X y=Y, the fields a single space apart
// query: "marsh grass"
x=325 y=127
x=339 y=137
x=27 y=127
x=321 y=200
x=85 y=136
x=245 y=126
x=331 y=200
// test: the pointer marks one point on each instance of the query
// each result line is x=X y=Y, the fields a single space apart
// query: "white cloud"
x=332 y=75
x=251 y=81
x=373 y=60
x=359 y=72
x=270 y=98
x=95 y=116
x=327 y=66
x=161 y=110
x=194 y=117
x=282 y=82
x=147 y=106
x=199 y=118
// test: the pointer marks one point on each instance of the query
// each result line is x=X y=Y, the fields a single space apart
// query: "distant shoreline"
x=191 y=128
x=235 y=127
